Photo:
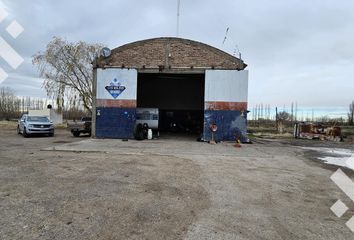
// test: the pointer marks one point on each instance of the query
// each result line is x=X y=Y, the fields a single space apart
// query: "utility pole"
x=276 y=119
x=178 y=7
x=295 y=111
x=292 y=113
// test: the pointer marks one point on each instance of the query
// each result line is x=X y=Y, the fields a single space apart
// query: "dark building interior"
x=179 y=98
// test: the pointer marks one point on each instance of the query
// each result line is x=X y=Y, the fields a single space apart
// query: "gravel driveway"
x=81 y=188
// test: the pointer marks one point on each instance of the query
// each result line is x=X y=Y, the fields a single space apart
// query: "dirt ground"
x=80 y=188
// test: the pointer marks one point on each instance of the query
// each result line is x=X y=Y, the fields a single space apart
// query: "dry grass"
x=8 y=124
x=61 y=126
x=348 y=133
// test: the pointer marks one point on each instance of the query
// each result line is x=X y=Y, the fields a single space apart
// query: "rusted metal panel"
x=116 y=103
x=239 y=106
x=226 y=93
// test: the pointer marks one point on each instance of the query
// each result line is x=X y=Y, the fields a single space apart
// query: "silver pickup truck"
x=30 y=125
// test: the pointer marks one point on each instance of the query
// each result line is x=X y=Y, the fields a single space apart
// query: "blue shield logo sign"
x=115 y=88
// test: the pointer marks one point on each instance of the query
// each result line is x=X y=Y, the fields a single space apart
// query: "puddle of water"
x=338 y=156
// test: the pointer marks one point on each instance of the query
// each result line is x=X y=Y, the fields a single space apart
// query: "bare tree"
x=66 y=68
x=9 y=104
x=284 y=116
x=351 y=114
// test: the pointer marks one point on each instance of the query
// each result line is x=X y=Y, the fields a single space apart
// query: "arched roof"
x=170 y=53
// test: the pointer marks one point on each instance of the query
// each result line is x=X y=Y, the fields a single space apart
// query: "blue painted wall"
x=230 y=124
x=115 y=122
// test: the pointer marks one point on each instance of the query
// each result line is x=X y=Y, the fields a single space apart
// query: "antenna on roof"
x=227 y=30
x=178 y=7
x=237 y=50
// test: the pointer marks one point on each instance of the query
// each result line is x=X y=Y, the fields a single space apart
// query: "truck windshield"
x=86 y=119
x=37 y=119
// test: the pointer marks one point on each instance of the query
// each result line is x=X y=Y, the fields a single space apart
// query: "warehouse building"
x=192 y=85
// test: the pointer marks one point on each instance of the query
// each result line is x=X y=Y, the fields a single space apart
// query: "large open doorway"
x=179 y=98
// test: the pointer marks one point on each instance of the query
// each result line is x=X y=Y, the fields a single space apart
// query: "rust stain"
x=116 y=103
x=239 y=106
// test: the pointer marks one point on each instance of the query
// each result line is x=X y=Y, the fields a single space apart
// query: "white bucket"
x=149 y=134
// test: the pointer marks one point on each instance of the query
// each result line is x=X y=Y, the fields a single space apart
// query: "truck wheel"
x=51 y=134
x=139 y=132
x=24 y=133
x=76 y=134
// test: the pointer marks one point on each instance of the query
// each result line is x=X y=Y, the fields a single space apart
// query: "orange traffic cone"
x=238 y=143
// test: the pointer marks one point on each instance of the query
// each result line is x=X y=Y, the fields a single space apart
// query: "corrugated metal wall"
x=226 y=93
x=116 y=103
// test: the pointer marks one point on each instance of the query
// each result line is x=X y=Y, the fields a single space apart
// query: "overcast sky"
x=295 y=50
